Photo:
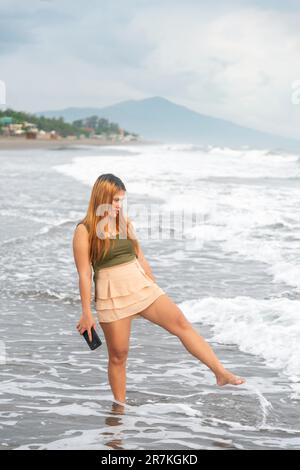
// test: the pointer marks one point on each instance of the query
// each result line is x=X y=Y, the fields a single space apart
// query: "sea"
x=220 y=228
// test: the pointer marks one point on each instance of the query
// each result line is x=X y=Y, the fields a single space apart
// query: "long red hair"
x=95 y=220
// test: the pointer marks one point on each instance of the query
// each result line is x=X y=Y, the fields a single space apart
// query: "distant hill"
x=162 y=120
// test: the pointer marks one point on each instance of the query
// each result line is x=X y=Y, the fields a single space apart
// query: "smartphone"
x=96 y=341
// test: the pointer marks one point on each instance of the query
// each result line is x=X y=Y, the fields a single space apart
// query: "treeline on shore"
x=87 y=127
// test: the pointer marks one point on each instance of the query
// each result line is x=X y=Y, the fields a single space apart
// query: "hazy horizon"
x=237 y=61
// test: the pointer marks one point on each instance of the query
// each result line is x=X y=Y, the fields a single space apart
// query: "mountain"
x=162 y=120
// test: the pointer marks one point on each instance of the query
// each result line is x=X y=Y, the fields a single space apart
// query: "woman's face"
x=117 y=202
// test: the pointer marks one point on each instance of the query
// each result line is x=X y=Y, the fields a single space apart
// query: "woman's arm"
x=83 y=265
x=145 y=264
x=141 y=257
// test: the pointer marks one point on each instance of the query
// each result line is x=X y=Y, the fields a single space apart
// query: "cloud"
x=239 y=65
x=231 y=59
x=21 y=22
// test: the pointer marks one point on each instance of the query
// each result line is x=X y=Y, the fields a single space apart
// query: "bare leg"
x=165 y=313
x=117 y=334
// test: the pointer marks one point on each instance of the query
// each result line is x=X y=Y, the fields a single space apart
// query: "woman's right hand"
x=86 y=322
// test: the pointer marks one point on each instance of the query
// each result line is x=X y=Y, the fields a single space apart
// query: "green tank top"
x=121 y=252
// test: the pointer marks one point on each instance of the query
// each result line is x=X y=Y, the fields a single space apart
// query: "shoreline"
x=20 y=143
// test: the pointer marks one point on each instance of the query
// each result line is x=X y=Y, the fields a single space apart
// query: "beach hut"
x=31 y=133
x=6 y=120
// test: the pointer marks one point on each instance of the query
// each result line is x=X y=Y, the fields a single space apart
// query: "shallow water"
x=240 y=290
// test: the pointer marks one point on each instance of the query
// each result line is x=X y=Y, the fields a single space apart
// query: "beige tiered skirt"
x=124 y=290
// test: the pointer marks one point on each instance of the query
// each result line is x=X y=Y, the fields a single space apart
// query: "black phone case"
x=96 y=341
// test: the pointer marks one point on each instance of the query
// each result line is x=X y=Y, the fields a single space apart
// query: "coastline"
x=20 y=143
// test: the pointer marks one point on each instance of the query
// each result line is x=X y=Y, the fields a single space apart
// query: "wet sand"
x=20 y=143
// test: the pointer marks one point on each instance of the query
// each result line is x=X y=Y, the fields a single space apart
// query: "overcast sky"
x=231 y=59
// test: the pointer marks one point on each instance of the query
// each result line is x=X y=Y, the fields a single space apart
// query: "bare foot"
x=229 y=378
x=118 y=407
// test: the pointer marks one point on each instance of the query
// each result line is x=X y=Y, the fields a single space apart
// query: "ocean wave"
x=191 y=161
x=42 y=231
x=269 y=328
x=48 y=295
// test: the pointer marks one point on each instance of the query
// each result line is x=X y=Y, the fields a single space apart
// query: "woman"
x=125 y=287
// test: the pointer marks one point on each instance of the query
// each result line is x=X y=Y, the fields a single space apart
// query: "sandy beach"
x=19 y=143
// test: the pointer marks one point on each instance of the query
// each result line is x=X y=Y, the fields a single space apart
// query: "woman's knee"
x=117 y=340
x=118 y=356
